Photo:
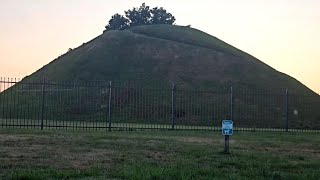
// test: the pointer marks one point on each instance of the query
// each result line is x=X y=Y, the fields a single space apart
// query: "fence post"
x=231 y=103
x=287 y=110
x=172 y=106
x=42 y=102
x=109 y=105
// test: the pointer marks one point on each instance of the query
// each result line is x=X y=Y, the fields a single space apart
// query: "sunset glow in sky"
x=284 y=34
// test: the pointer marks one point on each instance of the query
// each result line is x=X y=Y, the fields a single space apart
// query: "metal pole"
x=226 y=144
x=109 y=105
x=172 y=106
x=42 y=103
x=231 y=103
x=287 y=111
x=1 y=107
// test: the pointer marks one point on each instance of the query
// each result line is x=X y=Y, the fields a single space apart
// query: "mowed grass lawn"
x=35 y=154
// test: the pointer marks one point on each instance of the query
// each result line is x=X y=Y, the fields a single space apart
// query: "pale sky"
x=284 y=34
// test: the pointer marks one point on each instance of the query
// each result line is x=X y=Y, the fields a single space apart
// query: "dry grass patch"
x=49 y=151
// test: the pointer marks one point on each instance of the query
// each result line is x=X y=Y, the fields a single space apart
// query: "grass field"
x=33 y=154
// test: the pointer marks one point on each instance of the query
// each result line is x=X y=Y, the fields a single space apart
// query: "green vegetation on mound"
x=160 y=54
x=186 y=35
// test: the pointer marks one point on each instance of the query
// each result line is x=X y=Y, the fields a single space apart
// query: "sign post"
x=227 y=131
x=226 y=144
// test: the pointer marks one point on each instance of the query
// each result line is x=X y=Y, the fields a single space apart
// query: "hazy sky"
x=284 y=34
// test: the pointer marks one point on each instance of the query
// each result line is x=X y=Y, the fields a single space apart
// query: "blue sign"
x=227 y=127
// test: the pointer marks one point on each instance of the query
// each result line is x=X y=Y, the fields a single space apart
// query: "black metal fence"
x=107 y=106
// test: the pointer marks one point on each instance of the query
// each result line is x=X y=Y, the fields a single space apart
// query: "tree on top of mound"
x=142 y=15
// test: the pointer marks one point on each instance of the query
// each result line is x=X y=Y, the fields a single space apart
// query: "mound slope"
x=166 y=53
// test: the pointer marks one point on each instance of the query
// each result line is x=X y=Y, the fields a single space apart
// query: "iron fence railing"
x=107 y=105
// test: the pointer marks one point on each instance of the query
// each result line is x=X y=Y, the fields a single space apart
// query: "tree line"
x=137 y=16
